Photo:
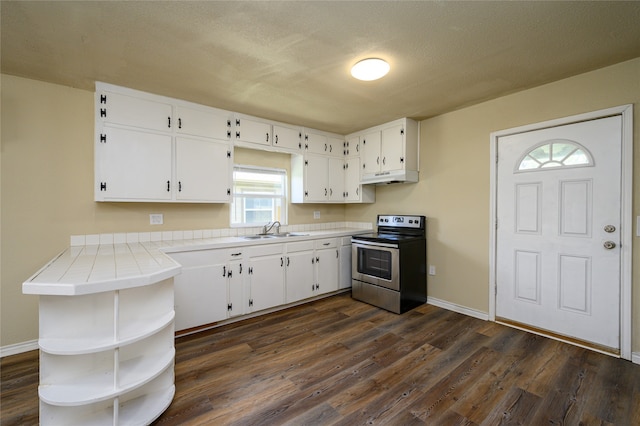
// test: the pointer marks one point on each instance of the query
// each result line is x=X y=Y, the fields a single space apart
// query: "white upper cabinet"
x=202 y=169
x=154 y=149
x=322 y=143
x=133 y=164
x=201 y=122
x=389 y=152
x=351 y=146
x=134 y=110
x=250 y=130
x=287 y=138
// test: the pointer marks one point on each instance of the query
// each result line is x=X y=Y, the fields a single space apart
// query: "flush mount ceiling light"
x=370 y=69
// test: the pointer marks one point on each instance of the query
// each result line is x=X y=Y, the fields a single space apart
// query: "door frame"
x=626 y=209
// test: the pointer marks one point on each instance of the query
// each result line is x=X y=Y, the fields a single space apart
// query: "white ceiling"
x=290 y=61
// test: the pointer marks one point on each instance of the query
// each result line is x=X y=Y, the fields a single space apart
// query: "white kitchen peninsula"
x=107 y=322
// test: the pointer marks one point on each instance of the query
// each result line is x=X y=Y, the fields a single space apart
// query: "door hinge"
x=103 y=138
x=229 y=307
x=103 y=186
x=402 y=131
x=228 y=154
x=103 y=99
x=250 y=302
x=251 y=270
x=228 y=191
x=103 y=112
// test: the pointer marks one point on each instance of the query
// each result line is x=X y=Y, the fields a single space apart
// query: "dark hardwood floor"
x=339 y=361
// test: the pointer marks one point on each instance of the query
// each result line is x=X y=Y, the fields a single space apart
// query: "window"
x=555 y=153
x=259 y=196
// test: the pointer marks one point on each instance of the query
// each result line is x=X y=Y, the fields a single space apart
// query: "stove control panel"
x=401 y=221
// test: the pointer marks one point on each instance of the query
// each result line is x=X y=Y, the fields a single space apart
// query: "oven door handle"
x=369 y=244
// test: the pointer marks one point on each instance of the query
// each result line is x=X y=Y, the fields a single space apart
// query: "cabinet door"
x=253 y=131
x=134 y=111
x=200 y=296
x=336 y=179
x=266 y=282
x=201 y=122
x=316 y=143
x=344 y=279
x=316 y=179
x=392 y=155
x=336 y=146
x=370 y=153
x=299 y=275
x=352 y=146
x=327 y=269
x=352 y=185
x=288 y=138
x=133 y=165
x=203 y=170
x=236 y=273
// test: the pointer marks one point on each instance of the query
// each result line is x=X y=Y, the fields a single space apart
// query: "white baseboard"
x=457 y=308
x=635 y=357
x=18 y=348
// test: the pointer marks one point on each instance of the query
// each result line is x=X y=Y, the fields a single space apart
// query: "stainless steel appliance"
x=389 y=266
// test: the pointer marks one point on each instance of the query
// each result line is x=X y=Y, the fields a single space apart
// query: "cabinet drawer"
x=265 y=250
x=190 y=259
x=326 y=243
x=300 y=246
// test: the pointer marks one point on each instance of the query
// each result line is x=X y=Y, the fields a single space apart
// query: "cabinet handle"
x=236 y=254
x=330 y=191
x=179 y=123
x=224 y=271
x=267 y=137
x=384 y=160
x=281 y=262
x=378 y=160
x=288 y=260
x=325 y=192
x=168 y=186
x=325 y=147
x=337 y=254
x=169 y=121
x=276 y=140
x=240 y=269
x=179 y=186
x=325 y=244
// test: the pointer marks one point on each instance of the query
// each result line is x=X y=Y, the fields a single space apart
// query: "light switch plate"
x=156 y=219
x=432 y=270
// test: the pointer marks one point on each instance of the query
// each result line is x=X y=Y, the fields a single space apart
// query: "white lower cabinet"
x=266 y=276
x=327 y=261
x=210 y=287
x=107 y=358
x=300 y=267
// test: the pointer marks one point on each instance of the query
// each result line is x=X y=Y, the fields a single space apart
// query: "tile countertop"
x=95 y=268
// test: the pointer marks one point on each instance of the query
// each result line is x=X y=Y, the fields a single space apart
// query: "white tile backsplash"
x=158 y=236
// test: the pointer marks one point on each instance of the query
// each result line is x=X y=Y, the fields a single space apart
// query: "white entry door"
x=558 y=230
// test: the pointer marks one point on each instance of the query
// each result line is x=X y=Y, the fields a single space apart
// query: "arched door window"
x=556 y=153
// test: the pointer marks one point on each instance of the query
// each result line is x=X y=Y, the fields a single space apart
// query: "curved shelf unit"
x=107 y=358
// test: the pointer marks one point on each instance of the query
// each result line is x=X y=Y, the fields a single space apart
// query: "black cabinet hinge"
x=228 y=154
x=103 y=138
x=103 y=186
x=228 y=191
x=103 y=99
x=306 y=193
x=306 y=162
x=237 y=135
x=250 y=302
x=402 y=159
x=229 y=307
x=103 y=112
x=237 y=121
x=402 y=131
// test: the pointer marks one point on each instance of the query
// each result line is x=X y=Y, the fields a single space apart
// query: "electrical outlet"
x=432 y=270
x=156 y=219
x=316 y=215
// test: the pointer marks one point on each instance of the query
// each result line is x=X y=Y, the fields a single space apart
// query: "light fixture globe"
x=370 y=69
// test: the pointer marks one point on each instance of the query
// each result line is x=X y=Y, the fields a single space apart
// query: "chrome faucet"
x=269 y=225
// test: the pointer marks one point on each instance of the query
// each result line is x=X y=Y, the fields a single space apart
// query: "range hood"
x=387 y=177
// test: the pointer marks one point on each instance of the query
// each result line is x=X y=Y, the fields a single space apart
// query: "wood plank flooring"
x=343 y=362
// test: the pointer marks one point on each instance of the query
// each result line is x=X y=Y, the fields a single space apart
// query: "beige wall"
x=47 y=193
x=47 y=185
x=453 y=191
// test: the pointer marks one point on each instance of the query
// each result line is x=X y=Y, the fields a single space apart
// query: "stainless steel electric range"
x=389 y=266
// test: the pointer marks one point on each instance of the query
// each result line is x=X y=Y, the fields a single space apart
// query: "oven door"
x=376 y=263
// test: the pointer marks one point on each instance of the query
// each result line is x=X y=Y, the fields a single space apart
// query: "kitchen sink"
x=265 y=236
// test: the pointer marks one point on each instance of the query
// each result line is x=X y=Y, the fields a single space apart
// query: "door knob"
x=609 y=245
x=609 y=228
